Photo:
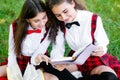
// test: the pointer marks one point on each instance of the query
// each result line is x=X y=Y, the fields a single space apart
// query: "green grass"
x=109 y=12
x=107 y=9
x=9 y=10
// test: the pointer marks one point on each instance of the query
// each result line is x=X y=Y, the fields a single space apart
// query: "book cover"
x=14 y=73
x=79 y=57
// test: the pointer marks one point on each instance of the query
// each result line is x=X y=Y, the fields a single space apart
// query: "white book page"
x=79 y=57
x=81 y=50
x=14 y=73
x=41 y=75
x=30 y=73
x=62 y=59
x=83 y=56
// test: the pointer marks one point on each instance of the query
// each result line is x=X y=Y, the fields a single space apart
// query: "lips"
x=66 y=20
x=40 y=27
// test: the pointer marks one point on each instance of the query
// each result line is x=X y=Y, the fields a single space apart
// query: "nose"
x=63 y=16
x=42 y=23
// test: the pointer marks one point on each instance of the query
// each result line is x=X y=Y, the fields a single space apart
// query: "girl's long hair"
x=79 y=4
x=29 y=10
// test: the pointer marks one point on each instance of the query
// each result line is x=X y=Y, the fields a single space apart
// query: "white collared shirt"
x=80 y=36
x=31 y=46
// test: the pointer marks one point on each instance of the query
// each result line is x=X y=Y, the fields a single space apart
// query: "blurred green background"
x=109 y=10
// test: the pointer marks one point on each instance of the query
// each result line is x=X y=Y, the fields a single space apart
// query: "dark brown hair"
x=79 y=4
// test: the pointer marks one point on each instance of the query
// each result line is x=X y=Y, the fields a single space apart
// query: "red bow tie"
x=33 y=31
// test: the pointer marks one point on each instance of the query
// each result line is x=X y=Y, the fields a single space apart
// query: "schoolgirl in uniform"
x=78 y=34
x=30 y=36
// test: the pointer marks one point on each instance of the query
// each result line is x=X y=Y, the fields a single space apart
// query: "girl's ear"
x=73 y=3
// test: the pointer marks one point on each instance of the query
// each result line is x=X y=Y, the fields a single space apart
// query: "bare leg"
x=72 y=67
x=49 y=76
x=103 y=73
x=102 y=68
x=3 y=72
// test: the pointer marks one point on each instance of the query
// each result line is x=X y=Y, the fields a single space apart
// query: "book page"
x=76 y=53
x=79 y=57
x=83 y=56
x=14 y=73
x=81 y=50
x=62 y=60
x=41 y=75
x=32 y=74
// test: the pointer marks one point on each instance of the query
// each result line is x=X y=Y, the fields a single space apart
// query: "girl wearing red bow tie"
x=81 y=29
x=30 y=36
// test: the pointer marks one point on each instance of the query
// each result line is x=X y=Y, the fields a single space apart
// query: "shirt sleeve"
x=58 y=48
x=101 y=38
x=41 y=49
x=11 y=54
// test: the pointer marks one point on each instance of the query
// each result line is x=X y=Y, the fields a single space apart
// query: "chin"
x=68 y=21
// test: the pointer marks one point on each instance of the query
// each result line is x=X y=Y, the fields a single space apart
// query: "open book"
x=14 y=73
x=79 y=57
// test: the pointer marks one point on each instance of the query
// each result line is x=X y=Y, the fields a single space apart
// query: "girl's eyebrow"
x=44 y=16
x=64 y=10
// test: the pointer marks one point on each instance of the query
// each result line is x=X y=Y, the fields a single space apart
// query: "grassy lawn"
x=108 y=10
x=9 y=10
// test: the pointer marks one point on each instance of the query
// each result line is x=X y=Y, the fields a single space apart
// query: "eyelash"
x=65 y=11
x=44 y=17
x=57 y=15
x=36 y=21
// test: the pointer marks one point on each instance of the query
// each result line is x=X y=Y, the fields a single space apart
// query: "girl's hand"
x=98 y=52
x=42 y=57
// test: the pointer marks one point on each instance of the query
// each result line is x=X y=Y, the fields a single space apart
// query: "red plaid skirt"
x=22 y=63
x=3 y=78
x=94 y=61
x=86 y=68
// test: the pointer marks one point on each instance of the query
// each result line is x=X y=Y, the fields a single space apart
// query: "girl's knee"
x=48 y=76
x=104 y=72
x=3 y=71
x=102 y=68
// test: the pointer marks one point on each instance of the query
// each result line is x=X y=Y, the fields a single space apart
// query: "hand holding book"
x=79 y=57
